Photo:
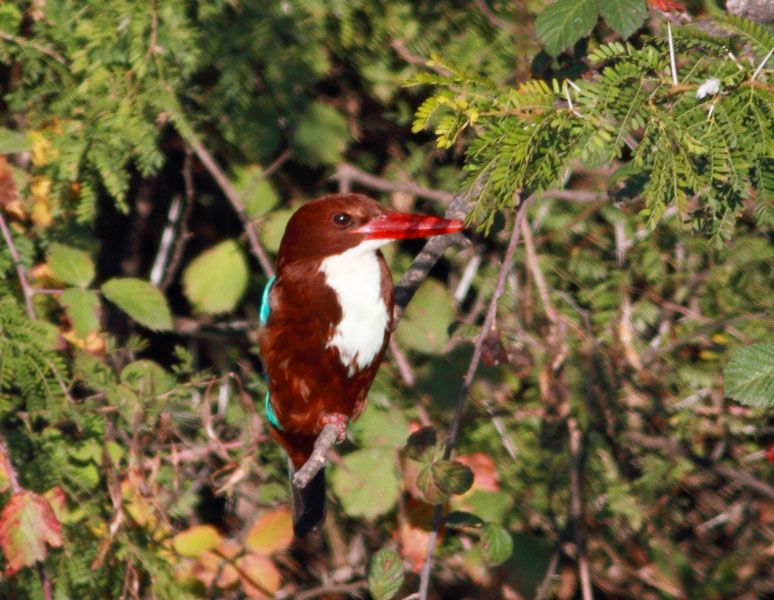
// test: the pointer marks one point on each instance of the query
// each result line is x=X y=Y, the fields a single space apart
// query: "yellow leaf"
x=197 y=540
x=41 y=149
x=40 y=189
x=259 y=577
x=272 y=531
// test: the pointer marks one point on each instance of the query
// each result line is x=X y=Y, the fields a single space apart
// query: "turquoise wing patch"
x=265 y=309
x=263 y=317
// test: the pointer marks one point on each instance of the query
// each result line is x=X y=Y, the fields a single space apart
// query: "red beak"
x=403 y=226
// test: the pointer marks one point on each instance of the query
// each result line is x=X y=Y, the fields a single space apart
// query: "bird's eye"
x=342 y=219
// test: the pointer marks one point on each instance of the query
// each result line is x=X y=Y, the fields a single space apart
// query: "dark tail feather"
x=308 y=504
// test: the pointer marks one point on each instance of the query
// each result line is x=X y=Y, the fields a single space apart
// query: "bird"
x=326 y=319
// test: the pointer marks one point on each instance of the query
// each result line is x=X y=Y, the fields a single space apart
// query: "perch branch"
x=324 y=442
x=235 y=200
x=467 y=382
x=20 y=271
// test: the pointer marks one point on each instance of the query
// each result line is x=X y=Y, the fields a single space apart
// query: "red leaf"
x=484 y=471
x=27 y=524
x=666 y=6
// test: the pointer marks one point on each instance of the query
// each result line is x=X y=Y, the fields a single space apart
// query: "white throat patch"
x=355 y=276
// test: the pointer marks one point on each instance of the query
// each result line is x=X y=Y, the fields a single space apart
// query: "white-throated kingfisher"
x=326 y=319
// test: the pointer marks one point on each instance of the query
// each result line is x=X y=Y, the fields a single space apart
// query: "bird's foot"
x=337 y=419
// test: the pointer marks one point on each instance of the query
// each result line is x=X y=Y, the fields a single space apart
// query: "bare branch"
x=494 y=19
x=324 y=442
x=183 y=234
x=236 y=202
x=20 y=271
x=351 y=174
x=467 y=382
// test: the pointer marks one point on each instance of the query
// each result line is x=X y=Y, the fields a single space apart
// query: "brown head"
x=333 y=224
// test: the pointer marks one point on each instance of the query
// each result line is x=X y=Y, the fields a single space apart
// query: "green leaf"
x=273 y=228
x=147 y=377
x=378 y=427
x=428 y=486
x=564 y=22
x=11 y=141
x=749 y=375
x=215 y=280
x=196 y=540
x=140 y=300
x=366 y=482
x=425 y=325
x=321 y=136
x=459 y=518
x=10 y=17
x=496 y=544
x=82 y=308
x=71 y=265
x=452 y=477
x=385 y=574
x=421 y=444
x=257 y=192
x=625 y=16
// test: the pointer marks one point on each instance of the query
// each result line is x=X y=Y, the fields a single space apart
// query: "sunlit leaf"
x=451 y=476
x=258 y=576
x=496 y=544
x=70 y=265
x=140 y=300
x=385 y=574
x=273 y=228
x=366 y=482
x=425 y=325
x=271 y=531
x=321 y=135
x=196 y=540
x=82 y=308
x=215 y=281
x=27 y=525
x=625 y=16
x=564 y=22
x=749 y=375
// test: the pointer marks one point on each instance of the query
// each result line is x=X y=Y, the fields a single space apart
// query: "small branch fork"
x=27 y=291
x=235 y=200
x=451 y=438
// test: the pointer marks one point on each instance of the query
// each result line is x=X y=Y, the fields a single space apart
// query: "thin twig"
x=412 y=59
x=20 y=271
x=404 y=367
x=352 y=174
x=763 y=63
x=45 y=583
x=324 y=442
x=558 y=342
x=467 y=382
x=235 y=200
x=544 y=586
x=183 y=234
x=42 y=49
x=495 y=20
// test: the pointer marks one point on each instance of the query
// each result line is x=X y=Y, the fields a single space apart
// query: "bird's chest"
x=359 y=335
